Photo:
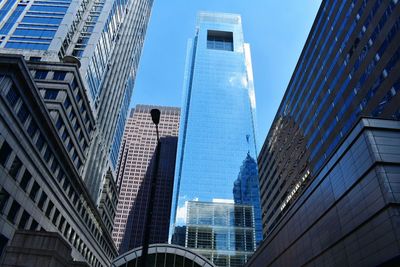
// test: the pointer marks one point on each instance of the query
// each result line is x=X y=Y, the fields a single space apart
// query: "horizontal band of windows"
x=61 y=3
x=32 y=46
x=30 y=40
x=60 y=9
x=41 y=20
x=42 y=14
x=35 y=33
x=37 y=26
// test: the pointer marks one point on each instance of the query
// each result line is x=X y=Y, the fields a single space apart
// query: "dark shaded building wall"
x=43 y=132
x=348 y=69
x=349 y=214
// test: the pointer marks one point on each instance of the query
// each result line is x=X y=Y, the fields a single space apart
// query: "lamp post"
x=155 y=116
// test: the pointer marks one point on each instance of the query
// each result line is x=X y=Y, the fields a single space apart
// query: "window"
x=47 y=154
x=67 y=103
x=42 y=200
x=35 y=59
x=220 y=40
x=55 y=217
x=5 y=152
x=25 y=180
x=15 y=167
x=41 y=74
x=49 y=209
x=59 y=75
x=64 y=135
x=32 y=128
x=62 y=221
x=12 y=96
x=69 y=146
x=13 y=211
x=34 y=225
x=51 y=94
x=66 y=184
x=59 y=123
x=4 y=196
x=24 y=219
x=60 y=175
x=23 y=113
x=54 y=165
x=40 y=142
x=34 y=191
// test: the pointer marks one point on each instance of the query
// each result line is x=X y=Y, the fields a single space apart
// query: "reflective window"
x=220 y=40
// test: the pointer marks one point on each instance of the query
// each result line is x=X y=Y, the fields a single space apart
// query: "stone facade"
x=42 y=141
x=349 y=214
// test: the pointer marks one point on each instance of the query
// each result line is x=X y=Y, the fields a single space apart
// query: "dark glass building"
x=134 y=175
x=325 y=193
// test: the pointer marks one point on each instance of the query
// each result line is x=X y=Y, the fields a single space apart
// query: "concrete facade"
x=41 y=146
x=349 y=214
x=38 y=249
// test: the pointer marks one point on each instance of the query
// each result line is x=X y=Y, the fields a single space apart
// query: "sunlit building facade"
x=100 y=34
x=78 y=58
x=216 y=137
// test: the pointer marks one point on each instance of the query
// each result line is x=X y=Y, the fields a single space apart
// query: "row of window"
x=371 y=92
x=34 y=191
x=88 y=28
x=38 y=139
x=342 y=90
x=74 y=26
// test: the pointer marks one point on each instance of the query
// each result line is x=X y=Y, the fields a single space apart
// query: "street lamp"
x=155 y=116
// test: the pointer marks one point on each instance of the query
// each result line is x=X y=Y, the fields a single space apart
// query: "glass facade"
x=162 y=255
x=223 y=232
x=217 y=134
x=97 y=32
x=31 y=26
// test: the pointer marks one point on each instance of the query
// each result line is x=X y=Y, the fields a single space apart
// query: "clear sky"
x=276 y=31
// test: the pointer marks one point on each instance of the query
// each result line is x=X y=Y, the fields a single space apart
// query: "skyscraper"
x=73 y=87
x=98 y=33
x=134 y=173
x=217 y=136
x=320 y=155
x=46 y=124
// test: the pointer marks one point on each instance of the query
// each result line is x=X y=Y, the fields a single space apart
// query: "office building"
x=327 y=176
x=217 y=136
x=134 y=175
x=45 y=128
x=82 y=62
x=222 y=227
x=38 y=249
x=100 y=34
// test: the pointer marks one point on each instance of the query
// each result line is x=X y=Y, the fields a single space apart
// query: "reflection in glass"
x=217 y=146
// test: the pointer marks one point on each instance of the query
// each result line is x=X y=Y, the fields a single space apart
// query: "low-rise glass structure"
x=162 y=255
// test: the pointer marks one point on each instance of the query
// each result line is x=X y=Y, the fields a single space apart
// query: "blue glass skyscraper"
x=107 y=37
x=217 y=136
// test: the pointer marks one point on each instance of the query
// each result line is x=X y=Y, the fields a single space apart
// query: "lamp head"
x=155 y=115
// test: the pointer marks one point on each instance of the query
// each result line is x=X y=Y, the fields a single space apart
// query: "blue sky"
x=276 y=31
